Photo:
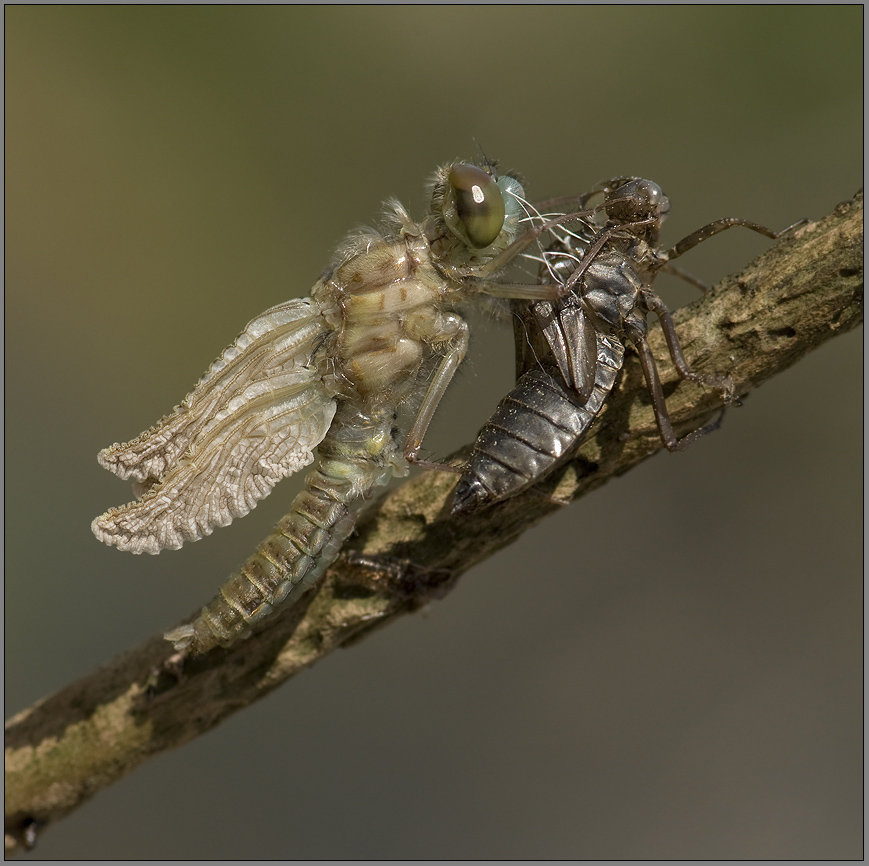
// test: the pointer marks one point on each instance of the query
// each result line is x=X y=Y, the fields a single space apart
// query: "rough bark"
x=803 y=291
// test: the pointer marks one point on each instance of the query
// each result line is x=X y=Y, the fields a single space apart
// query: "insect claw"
x=394 y=567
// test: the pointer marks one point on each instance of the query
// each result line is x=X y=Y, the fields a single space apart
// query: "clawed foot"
x=419 y=582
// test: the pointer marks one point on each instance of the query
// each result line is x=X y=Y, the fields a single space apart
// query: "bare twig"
x=65 y=748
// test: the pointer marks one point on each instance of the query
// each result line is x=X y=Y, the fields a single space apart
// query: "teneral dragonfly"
x=571 y=349
x=327 y=372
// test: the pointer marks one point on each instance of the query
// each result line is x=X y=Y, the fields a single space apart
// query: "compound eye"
x=475 y=206
x=637 y=200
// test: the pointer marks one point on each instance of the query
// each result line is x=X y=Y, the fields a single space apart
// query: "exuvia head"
x=476 y=206
x=635 y=199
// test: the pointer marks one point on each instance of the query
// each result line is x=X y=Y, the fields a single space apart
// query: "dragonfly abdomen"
x=535 y=426
x=354 y=459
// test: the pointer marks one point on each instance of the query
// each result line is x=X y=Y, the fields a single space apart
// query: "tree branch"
x=65 y=748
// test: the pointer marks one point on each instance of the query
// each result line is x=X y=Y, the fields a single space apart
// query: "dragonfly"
x=571 y=349
x=355 y=371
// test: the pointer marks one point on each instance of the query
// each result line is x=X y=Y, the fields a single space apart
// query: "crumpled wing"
x=560 y=330
x=251 y=420
x=572 y=338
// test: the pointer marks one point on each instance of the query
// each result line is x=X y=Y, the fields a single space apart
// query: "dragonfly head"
x=477 y=207
x=634 y=199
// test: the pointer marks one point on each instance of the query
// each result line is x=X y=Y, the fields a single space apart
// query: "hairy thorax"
x=389 y=300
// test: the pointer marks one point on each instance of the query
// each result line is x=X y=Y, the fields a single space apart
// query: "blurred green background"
x=691 y=689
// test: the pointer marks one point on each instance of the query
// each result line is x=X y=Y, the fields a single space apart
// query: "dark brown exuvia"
x=570 y=350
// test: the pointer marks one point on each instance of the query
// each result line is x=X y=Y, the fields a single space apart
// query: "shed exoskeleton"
x=570 y=350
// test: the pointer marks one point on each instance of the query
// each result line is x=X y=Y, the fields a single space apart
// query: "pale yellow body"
x=338 y=372
x=391 y=300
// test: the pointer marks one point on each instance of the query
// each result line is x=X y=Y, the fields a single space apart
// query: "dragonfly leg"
x=418 y=583
x=436 y=389
x=659 y=404
x=575 y=204
x=684 y=275
x=520 y=291
x=544 y=291
x=713 y=228
x=720 y=383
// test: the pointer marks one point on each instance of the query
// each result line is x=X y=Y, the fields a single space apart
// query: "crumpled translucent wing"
x=251 y=420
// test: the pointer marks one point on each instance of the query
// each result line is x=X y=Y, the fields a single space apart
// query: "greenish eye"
x=474 y=206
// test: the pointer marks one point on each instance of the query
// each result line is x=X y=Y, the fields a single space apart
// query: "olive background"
x=670 y=668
